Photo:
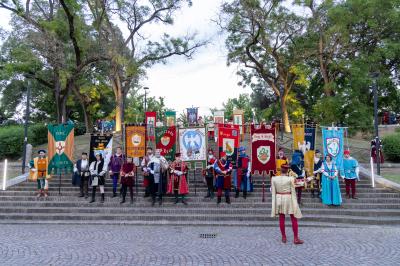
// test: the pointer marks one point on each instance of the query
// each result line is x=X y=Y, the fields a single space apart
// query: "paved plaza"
x=167 y=245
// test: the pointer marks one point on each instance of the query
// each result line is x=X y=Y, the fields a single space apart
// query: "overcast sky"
x=205 y=81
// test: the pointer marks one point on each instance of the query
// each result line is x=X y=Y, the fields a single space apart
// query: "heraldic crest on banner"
x=61 y=148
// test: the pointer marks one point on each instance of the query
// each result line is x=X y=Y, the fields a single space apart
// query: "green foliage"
x=243 y=102
x=80 y=129
x=37 y=134
x=391 y=147
x=11 y=142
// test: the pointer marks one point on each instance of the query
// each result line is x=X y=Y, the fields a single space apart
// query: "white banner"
x=192 y=144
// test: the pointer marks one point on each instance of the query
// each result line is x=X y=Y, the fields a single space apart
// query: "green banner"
x=61 y=148
x=166 y=141
x=170 y=117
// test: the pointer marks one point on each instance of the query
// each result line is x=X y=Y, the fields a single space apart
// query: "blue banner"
x=333 y=144
x=309 y=137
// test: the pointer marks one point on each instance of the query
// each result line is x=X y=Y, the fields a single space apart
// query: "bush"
x=11 y=142
x=80 y=128
x=391 y=147
x=37 y=134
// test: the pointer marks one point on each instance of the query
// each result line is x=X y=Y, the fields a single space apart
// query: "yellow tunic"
x=284 y=199
x=40 y=165
x=279 y=163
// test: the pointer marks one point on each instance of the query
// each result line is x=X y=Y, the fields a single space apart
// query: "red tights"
x=295 y=226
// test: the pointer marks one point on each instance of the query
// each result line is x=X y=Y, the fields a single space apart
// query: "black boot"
x=93 y=195
x=212 y=194
x=219 y=200
x=102 y=197
x=183 y=201
x=123 y=199
x=237 y=194
x=245 y=194
x=228 y=199
x=176 y=198
x=208 y=194
x=114 y=194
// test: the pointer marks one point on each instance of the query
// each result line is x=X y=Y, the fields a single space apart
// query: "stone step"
x=197 y=217
x=178 y=210
x=250 y=200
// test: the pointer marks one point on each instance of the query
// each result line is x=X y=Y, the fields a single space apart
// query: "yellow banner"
x=309 y=162
x=135 y=137
x=298 y=136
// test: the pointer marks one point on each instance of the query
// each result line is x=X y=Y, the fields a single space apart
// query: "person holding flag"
x=127 y=178
x=157 y=170
x=330 y=183
x=39 y=173
x=114 y=166
x=350 y=174
x=146 y=176
x=297 y=166
x=97 y=175
x=209 y=174
x=281 y=160
x=243 y=177
x=316 y=182
x=284 y=203
x=177 y=183
x=223 y=169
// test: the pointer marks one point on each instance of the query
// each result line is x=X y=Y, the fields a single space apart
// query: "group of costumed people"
x=324 y=181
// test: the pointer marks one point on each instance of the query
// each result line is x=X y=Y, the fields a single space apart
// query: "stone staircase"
x=18 y=204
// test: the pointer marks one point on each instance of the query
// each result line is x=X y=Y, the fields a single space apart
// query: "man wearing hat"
x=223 y=170
x=242 y=180
x=38 y=172
x=284 y=202
x=177 y=184
x=350 y=174
x=209 y=174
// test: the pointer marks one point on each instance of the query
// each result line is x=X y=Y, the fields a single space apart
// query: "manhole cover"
x=208 y=235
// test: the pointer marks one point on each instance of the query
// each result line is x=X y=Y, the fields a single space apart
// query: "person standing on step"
x=156 y=168
x=209 y=174
x=297 y=166
x=243 y=177
x=177 y=183
x=350 y=174
x=81 y=168
x=223 y=171
x=127 y=178
x=146 y=172
x=316 y=182
x=97 y=176
x=330 y=183
x=280 y=160
x=114 y=166
x=284 y=202
x=38 y=172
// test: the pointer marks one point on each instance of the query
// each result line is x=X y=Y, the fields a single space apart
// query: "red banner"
x=228 y=141
x=151 y=118
x=263 y=147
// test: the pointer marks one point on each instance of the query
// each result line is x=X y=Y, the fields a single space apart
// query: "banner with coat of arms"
x=135 y=141
x=151 y=118
x=61 y=148
x=332 y=142
x=192 y=144
x=309 y=137
x=228 y=141
x=263 y=148
x=101 y=144
x=298 y=136
x=166 y=141
x=170 y=117
x=192 y=114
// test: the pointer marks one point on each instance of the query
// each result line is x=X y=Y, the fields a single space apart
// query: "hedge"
x=391 y=147
x=12 y=138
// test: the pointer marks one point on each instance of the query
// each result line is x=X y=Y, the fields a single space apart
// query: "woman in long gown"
x=330 y=183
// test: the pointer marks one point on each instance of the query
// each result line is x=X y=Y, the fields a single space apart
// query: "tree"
x=130 y=56
x=262 y=39
x=243 y=102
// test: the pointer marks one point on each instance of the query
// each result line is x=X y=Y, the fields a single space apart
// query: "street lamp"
x=28 y=96
x=145 y=98
x=281 y=91
x=377 y=140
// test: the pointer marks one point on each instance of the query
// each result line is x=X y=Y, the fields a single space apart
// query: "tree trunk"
x=285 y=116
x=87 y=117
x=57 y=94
x=119 y=105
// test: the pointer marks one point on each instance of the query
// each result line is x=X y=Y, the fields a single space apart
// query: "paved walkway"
x=129 y=245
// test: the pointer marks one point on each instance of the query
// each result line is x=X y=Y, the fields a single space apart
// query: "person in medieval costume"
x=330 y=183
x=39 y=173
x=350 y=174
x=374 y=153
x=209 y=174
x=81 y=168
x=223 y=171
x=98 y=171
x=177 y=183
x=297 y=167
x=157 y=169
x=114 y=167
x=281 y=160
x=316 y=182
x=127 y=179
x=146 y=172
x=242 y=181
x=284 y=202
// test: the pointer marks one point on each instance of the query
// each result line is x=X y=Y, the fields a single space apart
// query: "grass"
x=393 y=177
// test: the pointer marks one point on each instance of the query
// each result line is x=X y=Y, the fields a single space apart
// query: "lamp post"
x=281 y=91
x=145 y=98
x=377 y=140
x=28 y=96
